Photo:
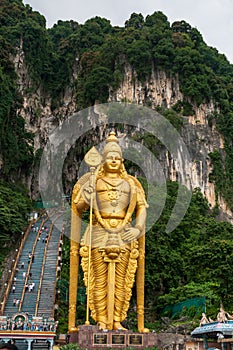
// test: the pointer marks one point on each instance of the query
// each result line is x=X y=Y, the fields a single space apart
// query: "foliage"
x=16 y=143
x=70 y=347
x=15 y=206
x=222 y=174
x=189 y=292
x=192 y=261
x=173 y=118
x=62 y=290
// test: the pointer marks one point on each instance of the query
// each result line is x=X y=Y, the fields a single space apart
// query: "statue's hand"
x=130 y=234
x=87 y=192
x=88 y=189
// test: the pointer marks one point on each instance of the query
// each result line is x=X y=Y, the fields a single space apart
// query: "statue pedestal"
x=90 y=337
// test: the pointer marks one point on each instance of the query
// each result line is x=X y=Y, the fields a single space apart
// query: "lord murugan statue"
x=112 y=247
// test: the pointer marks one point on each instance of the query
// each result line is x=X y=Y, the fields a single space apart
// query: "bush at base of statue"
x=70 y=347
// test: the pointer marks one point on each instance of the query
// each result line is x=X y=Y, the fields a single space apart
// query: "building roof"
x=214 y=329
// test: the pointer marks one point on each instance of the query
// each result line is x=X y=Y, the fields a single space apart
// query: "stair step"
x=49 y=276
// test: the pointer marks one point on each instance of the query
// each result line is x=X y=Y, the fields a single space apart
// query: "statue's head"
x=112 y=156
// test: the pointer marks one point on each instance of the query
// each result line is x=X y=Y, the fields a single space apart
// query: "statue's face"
x=112 y=162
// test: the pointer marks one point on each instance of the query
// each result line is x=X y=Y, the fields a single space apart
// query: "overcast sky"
x=213 y=18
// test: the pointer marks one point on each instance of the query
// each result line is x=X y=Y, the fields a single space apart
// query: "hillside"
x=48 y=74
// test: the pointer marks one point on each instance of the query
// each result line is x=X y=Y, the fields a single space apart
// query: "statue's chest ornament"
x=114 y=192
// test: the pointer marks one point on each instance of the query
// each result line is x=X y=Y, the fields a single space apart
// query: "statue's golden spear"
x=93 y=159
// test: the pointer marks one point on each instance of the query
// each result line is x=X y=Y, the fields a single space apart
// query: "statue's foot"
x=73 y=329
x=102 y=326
x=144 y=330
x=118 y=326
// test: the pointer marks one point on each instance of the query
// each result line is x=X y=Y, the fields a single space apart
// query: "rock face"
x=200 y=138
x=159 y=90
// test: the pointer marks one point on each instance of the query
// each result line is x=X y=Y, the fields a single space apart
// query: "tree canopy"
x=90 y=58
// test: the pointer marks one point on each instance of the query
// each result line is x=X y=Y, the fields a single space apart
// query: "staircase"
x=31 y=240
x=42 y=271
x=47 y=294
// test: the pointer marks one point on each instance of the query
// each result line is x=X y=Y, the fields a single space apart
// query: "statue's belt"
x=112 y=222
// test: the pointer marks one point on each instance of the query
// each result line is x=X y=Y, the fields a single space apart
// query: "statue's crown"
x=112 y=144
x=112 y=137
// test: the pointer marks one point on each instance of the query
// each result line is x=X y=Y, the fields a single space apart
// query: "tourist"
x=30 y=287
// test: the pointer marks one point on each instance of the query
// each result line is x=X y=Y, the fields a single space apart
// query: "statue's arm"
x=141 y=211
x=132 y=233
x=80 y=204
x=80 y=196
x=140 y=218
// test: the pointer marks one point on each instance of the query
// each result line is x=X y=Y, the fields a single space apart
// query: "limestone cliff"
x=200 y=138
x=161 y=90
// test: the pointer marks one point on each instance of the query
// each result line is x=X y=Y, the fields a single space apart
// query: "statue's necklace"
x=114 y=191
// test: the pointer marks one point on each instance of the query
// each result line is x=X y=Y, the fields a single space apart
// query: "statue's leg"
x=125 y=272
x=98 y=285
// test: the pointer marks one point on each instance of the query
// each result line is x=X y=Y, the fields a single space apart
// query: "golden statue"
x=112 y=247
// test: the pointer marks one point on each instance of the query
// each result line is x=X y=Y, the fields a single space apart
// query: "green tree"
x=136 y=21
x=15 y=206
x=139 y=56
